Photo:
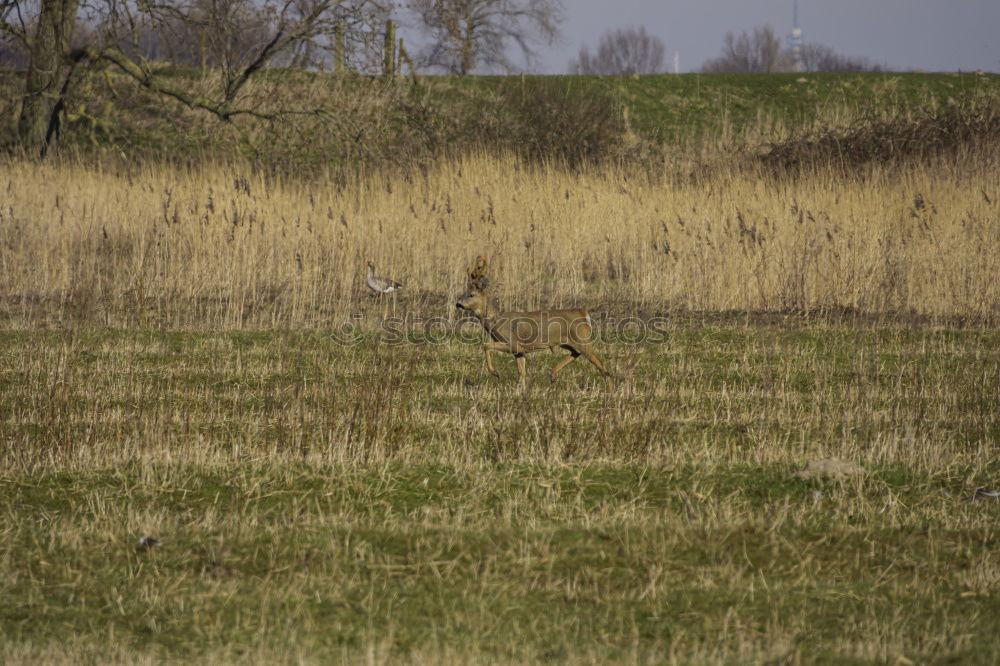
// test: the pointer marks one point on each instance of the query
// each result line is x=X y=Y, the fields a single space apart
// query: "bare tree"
x=622 y=51
x=236 y=37
x=468 y=35
x=762 y=52
x=47 y=33
x=12 y=49
x=759 y=52
x=821 y=58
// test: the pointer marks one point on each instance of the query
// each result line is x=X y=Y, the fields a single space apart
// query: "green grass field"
x=394 y=503
x=674 y=109
x=170 y=369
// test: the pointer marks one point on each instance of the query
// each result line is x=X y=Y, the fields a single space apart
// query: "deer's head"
x=476 y=296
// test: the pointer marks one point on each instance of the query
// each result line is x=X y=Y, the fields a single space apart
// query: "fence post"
x=339 y=47
x=389 y=56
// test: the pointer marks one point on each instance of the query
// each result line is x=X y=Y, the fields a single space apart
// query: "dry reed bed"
x=220 y=247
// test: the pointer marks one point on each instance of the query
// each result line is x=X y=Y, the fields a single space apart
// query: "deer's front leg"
x=522 y=372
x=487 y=348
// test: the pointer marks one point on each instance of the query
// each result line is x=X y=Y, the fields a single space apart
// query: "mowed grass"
x=317 y=502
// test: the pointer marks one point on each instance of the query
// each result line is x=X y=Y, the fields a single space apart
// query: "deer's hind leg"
x=573 y=354
x=589 y=354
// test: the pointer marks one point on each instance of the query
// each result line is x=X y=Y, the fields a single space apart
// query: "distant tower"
x=795 y=39
x=677 y=62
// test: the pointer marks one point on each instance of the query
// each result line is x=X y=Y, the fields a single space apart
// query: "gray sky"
x=935 y=35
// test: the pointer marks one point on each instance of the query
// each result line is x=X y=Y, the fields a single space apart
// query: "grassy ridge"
x=672 y=108
x=676 y=109
x=370 y=121
x=322 y=502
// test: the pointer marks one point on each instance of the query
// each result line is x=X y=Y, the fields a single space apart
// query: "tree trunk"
x=48 y=70
x=339 y=47
x=468 y=45
x=389 y=50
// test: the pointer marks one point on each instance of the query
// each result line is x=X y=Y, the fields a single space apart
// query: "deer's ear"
x=477 y=272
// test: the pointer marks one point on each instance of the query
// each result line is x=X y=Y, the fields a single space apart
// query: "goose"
x=380 y=285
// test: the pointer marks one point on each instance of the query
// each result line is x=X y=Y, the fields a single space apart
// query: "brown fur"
x=520 y=333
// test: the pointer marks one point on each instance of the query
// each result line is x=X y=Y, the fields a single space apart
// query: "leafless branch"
x=622 y=51
x=475 y=34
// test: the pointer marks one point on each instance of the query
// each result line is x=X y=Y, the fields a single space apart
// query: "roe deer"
x=518 y=333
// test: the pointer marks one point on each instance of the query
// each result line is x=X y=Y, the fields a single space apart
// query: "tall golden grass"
x=222 y=246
